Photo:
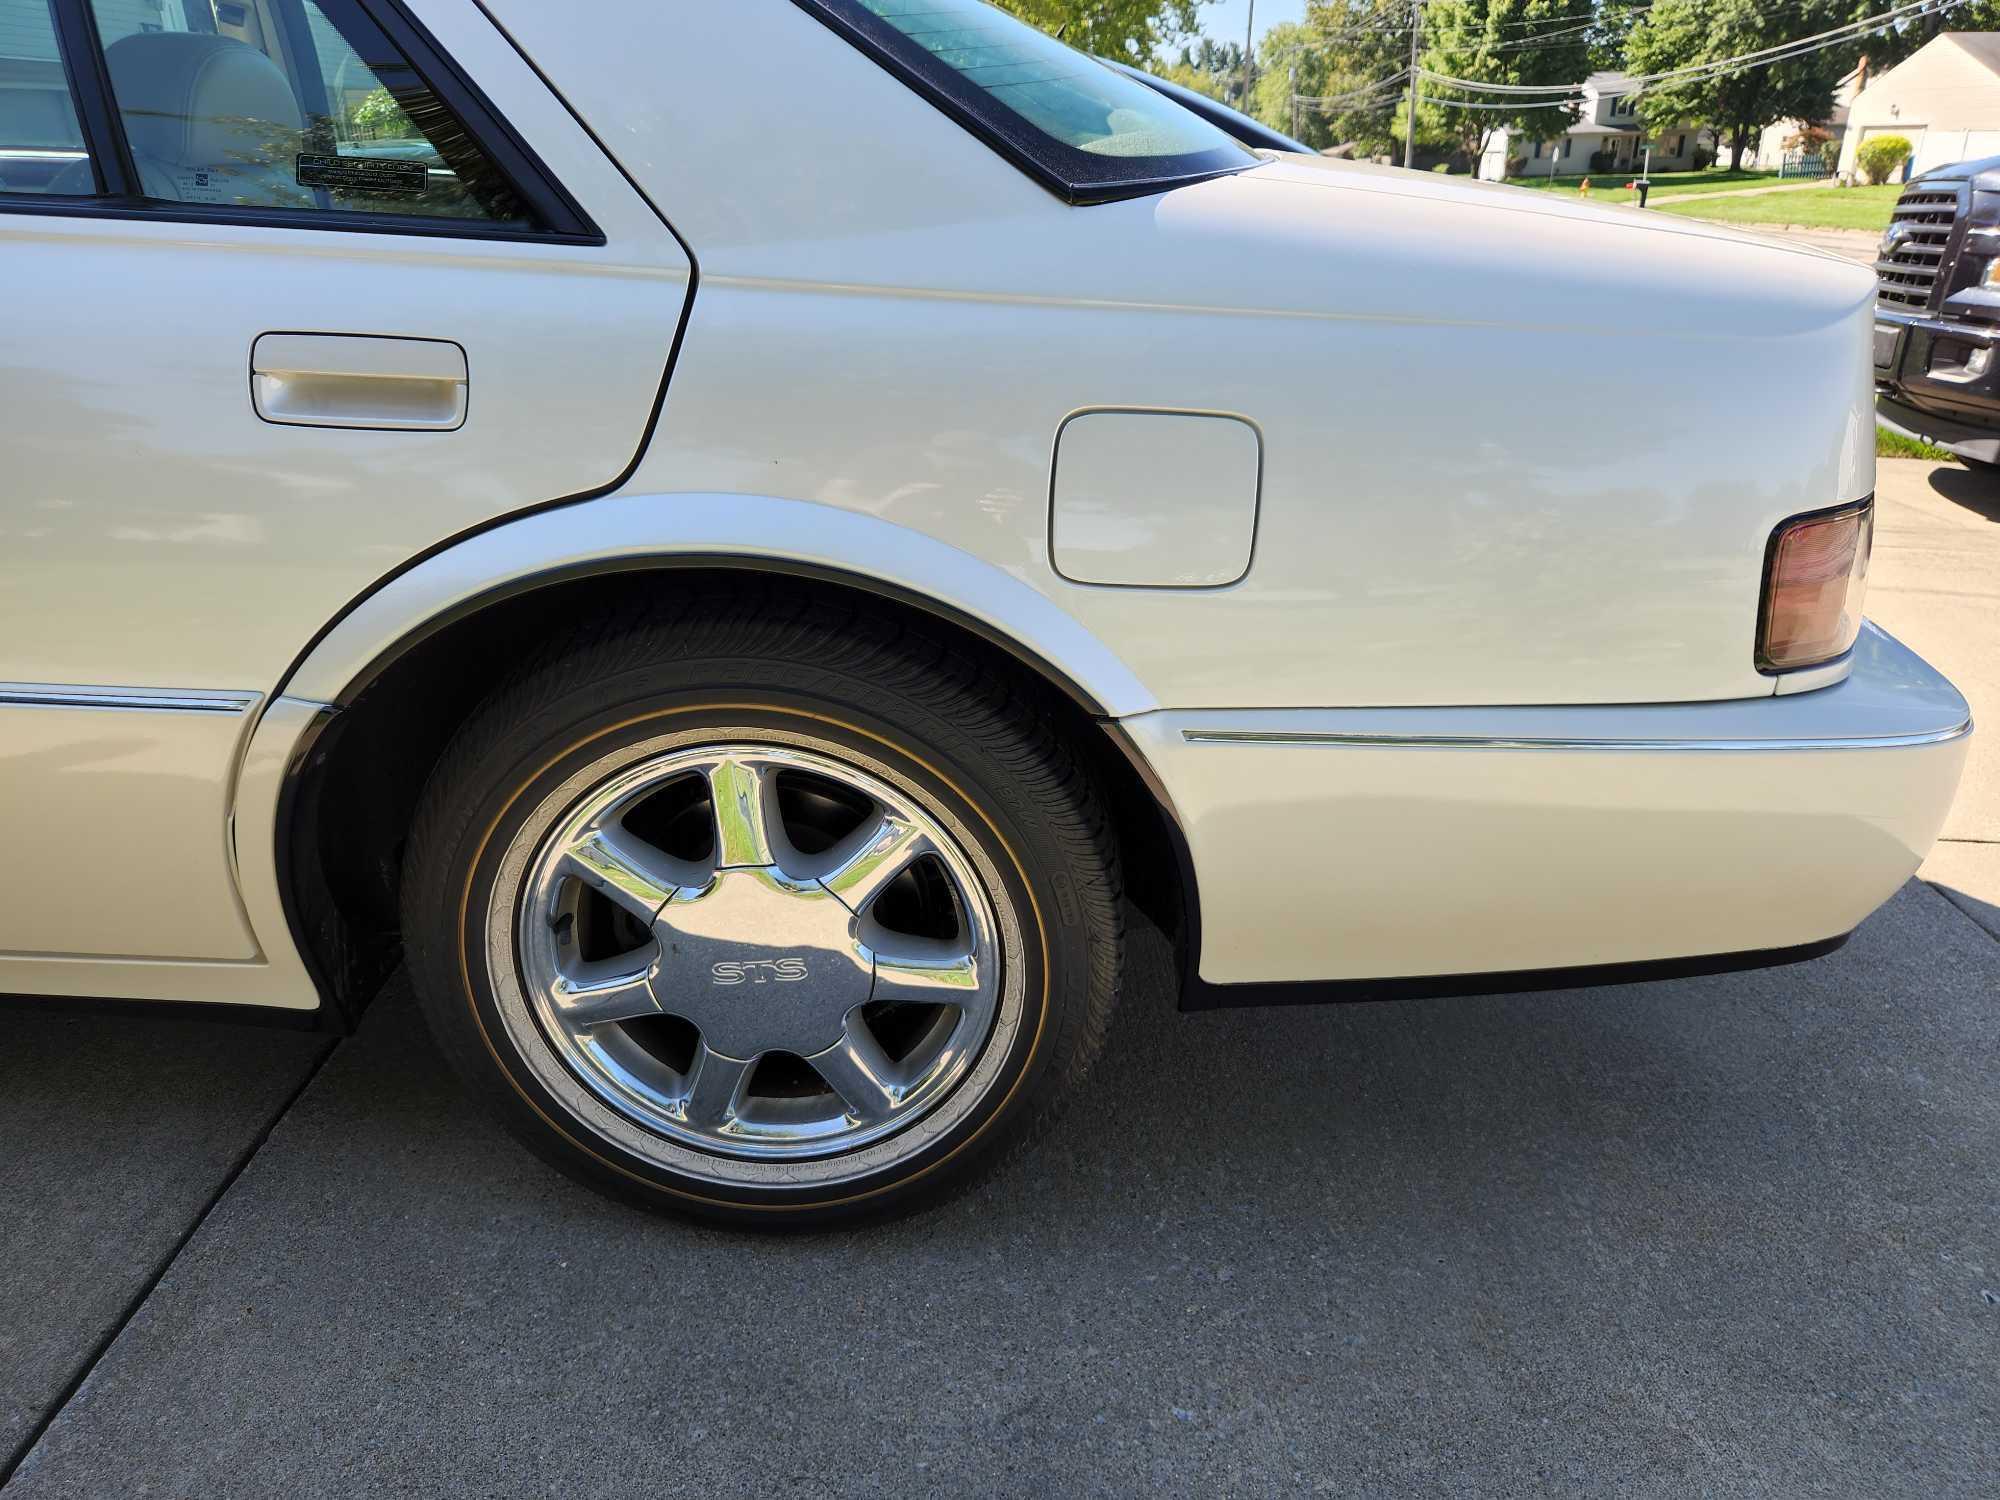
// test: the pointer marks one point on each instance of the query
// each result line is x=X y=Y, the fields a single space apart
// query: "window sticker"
x=377 y=175
x=200 y=186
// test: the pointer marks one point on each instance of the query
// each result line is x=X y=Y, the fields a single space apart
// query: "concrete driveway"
x=1730 y=1235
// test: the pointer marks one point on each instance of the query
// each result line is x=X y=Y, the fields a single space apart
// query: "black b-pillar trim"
x=96 y=105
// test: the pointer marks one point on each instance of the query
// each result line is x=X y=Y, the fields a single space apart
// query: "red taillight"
x=1815 y=575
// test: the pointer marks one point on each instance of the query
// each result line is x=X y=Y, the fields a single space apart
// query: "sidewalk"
x=1751 y=192
x=1934 y=582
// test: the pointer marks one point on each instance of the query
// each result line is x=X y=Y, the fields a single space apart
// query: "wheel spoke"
x=926 y=971
x=716 y=1088
x=602 y=992
x=861 y=865
x=636 y=877
x=747 y=827
x=858 y=1070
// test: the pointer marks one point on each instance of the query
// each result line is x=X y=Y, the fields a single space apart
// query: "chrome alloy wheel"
x=767 y=959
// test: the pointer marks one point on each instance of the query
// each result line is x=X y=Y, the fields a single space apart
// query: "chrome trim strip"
x=59 y=695
x=1485 y=742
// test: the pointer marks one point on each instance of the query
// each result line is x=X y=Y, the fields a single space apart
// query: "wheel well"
x=352 y=795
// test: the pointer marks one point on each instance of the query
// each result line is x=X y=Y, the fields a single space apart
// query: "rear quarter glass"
x=1083 y=130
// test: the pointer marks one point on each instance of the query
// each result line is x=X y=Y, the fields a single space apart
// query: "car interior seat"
x=210 y=120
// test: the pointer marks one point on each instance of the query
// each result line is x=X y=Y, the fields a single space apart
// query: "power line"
x=1380 y=89
x=1781 y=52
x=1568 y=96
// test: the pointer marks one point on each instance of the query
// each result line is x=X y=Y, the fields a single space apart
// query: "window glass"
x=41 y=144
x=289 y=104
x=1092 y=128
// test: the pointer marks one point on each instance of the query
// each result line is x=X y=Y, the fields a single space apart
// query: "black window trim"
x=966 y=105
x=560 y=219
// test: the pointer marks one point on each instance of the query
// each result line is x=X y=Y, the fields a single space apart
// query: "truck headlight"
x=1991 y=280
x=1815 y=574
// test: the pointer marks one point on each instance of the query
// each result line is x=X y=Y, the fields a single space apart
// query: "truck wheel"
x=769 y=914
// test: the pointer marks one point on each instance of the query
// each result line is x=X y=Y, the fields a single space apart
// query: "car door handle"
x=358 y=380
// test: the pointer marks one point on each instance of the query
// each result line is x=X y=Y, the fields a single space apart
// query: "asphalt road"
x=1735 y=1235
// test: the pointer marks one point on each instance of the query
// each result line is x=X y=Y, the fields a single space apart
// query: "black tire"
x=974 y=742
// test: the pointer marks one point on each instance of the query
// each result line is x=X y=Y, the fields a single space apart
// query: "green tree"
x=1615 y=20
x=1190 y=77
x=1525 y=42
x=1212 y=68
x=379 y=114
x=1887 y=48
x=1130 y=30
x=1741 y=101
x=1341 y=52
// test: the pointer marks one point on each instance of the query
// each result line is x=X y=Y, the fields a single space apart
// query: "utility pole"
x=1249 y=31
x=1292 y=87
x=1416 y=38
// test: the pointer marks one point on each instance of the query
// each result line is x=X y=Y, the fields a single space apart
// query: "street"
x=1735 y=1234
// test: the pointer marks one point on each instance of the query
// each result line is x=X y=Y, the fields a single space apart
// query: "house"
x=1772 y=152
x=1944 y=97
x=1606 y=137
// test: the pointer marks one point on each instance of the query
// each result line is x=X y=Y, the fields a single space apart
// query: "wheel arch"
x=405 y=665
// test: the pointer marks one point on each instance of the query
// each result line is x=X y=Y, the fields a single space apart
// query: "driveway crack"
x=13 y=1461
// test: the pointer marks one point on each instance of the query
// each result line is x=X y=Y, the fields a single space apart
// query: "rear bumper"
x=1471 y=844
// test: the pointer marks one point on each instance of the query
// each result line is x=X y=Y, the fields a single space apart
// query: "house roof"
x=1982 y=46
x=1584 y=127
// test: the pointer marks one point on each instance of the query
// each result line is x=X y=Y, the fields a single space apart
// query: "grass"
x=1812 y=208
x=1894 y=445
x=1609 y=187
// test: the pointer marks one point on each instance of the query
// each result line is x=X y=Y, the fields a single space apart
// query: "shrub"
x=1602 y=161
x=1703 y=158
x=378 y=114
x=1880 y=155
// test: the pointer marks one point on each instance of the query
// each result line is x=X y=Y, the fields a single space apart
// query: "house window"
x=1680 y=145
x=1567 y=143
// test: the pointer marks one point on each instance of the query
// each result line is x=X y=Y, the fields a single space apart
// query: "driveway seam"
x=19 y=1456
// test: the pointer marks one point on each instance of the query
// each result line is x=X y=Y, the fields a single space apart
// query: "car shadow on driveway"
x=1734 y=1233
x=1976 y=490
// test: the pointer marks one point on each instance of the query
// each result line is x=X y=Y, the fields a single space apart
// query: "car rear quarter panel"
x=1509 y=452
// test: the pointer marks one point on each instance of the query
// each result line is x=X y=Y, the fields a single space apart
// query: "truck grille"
x=1905 y=274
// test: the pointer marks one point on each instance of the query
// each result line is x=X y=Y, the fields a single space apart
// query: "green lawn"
x=1609 y=187
x=1812 y=208
x=1894 y=445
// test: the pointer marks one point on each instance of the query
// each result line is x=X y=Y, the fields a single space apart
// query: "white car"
x=741 y=540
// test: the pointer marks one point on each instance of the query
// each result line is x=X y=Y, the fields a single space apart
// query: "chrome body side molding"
x=1488 y=742
x=175 y=700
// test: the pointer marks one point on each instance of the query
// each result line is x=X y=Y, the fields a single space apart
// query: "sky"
x=1224 y=19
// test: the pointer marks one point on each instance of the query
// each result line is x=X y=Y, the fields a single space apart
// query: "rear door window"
x=290 y=104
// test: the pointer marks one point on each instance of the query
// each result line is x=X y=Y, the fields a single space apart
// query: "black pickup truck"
x=1937 y=312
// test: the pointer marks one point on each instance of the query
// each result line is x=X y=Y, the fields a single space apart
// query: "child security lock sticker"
x=381 y=175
